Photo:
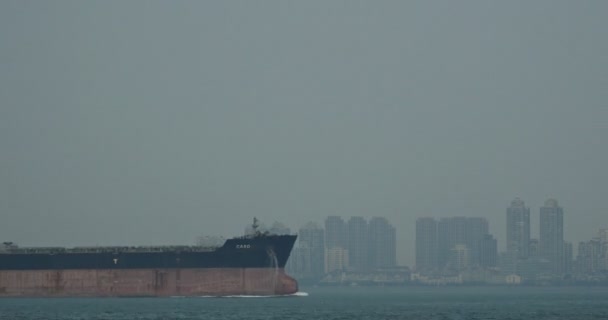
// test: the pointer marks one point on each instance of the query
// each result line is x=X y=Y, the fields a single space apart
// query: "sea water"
x=333 y=303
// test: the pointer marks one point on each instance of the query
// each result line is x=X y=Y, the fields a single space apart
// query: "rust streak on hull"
x=146 y=282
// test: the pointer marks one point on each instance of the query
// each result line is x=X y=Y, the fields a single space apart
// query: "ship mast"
x=255 y=225
x=255 y=229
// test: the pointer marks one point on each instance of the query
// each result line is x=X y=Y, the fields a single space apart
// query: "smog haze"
x=155 y=122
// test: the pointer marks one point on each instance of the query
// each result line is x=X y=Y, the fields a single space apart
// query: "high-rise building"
x=335 y=233
x=311 y=242
x=459 y=257
x=450 y=232
x=508 y=262
x=603 y=238
x=588 y=260
x=568 y=257
x=298 y=264
x=382 y=243
x=552 y=235
x=427 y=254
x=468 y=231
x=534 y=249
x=476 y=229
x=336 y=259
x=358 y=243
x=593 y=254
x=518 y=229
x=488 y=253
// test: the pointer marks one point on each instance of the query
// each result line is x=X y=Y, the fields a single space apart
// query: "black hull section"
x=258 y=252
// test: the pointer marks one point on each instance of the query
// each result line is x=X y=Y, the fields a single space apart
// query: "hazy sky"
x=151 y=122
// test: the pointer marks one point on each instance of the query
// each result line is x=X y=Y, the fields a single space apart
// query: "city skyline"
x=517 y=212
x=450 y=248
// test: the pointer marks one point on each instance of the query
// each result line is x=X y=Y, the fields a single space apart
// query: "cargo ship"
x=248 y=265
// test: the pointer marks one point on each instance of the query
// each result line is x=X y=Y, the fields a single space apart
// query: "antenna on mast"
x=255 y=225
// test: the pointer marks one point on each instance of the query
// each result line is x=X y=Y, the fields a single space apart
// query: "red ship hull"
x=146 y=282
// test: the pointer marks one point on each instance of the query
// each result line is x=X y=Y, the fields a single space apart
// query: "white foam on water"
x=247 y=296
x=297 y=294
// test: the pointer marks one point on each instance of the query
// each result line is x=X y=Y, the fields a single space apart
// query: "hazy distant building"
x=299 y=263
x=589 y=259
x=534 y=249
x=518 y=229
x=593 y=254
x=459 y=257
x=335 y=233
x=427 y=253
x=552 y=235
x=468 y=231
x=279 y=228
x=603 y=238
x=488 y=252
x=476 y=230
x=568 y=258
x=450 y=232
x=508 y=262
x=602 y=235
x=210 y=241
x=336 y=259
x=311 y=241
x=358 y=256
x=382 y=243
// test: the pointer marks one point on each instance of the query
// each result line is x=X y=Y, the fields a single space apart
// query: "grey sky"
x=155 y=121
